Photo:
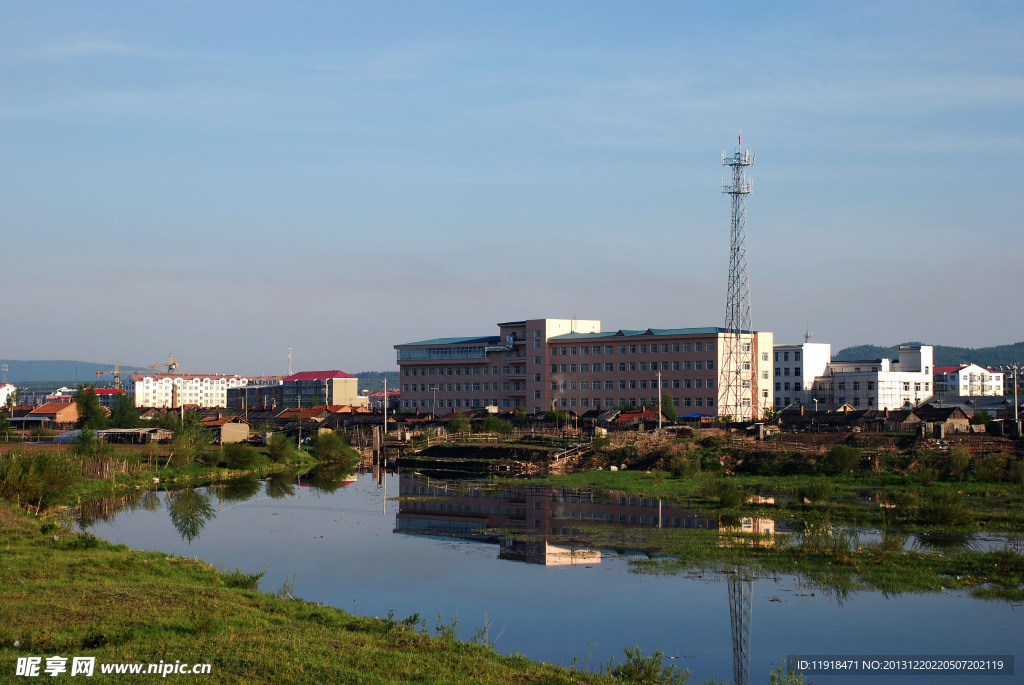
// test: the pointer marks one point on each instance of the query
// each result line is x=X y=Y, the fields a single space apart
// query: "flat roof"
x=710 y=330
x=454 y=341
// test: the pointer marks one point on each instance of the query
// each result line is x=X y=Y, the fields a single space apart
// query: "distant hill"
x=61 y=371
x=72 y=373
x=374 y=380
x=944 y=355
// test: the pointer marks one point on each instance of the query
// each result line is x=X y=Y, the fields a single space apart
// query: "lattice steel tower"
x=737 y=370
x=741 y=595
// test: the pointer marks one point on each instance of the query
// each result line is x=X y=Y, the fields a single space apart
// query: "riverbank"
x=75 y=595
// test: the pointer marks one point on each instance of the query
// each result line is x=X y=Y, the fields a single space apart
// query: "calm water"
x=370 y=553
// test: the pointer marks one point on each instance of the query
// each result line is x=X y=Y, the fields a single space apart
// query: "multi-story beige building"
x=570 y=364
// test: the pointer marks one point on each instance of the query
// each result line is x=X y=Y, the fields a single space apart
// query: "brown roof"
x=52 y=407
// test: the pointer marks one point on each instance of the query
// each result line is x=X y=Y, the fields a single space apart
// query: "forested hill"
x=70 y=372
x=62 y=371
x=944 y=355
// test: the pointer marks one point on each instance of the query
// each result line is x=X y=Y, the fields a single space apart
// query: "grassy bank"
x=75 y=595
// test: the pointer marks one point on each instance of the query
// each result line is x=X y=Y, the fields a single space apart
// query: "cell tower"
x=737 y=371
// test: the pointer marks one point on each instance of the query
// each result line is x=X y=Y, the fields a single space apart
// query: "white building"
x=170 y=391
x=796 y=367
x=6 y=390
x=878 y=383
x=967 y=380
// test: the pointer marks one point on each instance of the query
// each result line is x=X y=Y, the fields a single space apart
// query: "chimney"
x=801 y=409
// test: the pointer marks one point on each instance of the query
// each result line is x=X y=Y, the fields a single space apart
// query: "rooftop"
x=485 y=340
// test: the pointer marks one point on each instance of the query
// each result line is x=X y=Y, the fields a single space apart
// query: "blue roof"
x=455 y=341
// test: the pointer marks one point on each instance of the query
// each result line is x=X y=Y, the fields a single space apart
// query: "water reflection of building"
x=530 y=515
x=544 y=553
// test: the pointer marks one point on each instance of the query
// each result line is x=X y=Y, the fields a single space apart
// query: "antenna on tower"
x=738 y=371
x=807 y=334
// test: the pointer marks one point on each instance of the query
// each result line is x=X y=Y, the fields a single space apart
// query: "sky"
x=223 y=180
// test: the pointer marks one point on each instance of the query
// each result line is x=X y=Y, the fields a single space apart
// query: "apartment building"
x=169 y=391
x=967 y=380
x=796 y=367
x=878 y=383
x=571 y=365
x=303 y=389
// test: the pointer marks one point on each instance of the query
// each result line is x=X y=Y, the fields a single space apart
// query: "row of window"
x=785 y=356
x=654 y=348
x=622 y=401
x=507 y=403
x=675 y=383
x=460 y=403
x=785 y=371
x=698 y=365
x=463 y=371
x=460 y=387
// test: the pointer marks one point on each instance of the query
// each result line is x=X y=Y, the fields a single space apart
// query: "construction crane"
x=117 y=375
x=170 y=364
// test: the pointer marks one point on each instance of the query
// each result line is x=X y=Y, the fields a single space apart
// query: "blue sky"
x=222 y=180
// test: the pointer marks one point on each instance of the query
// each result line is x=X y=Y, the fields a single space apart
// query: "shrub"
x=840 y=459
x=240 y=579
x=280 y=448
x=459 y=423
x=35 y=478
x=647 y=670
x=944 y=508
x=492 y=424
x=240 y=456
x=959 y=461
x=816 y=490
x=684 y=467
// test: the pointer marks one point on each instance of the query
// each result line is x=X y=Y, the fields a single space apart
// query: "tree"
x=91 y=413
x=125 y=414
x=556 y=417
x=668 y=408
x=459 y=423
x=5 y=427
x=189 y=440
x=492 y=424
x=332 y=447
x=981 y=418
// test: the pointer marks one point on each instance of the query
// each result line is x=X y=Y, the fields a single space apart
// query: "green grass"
x=75 y=595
